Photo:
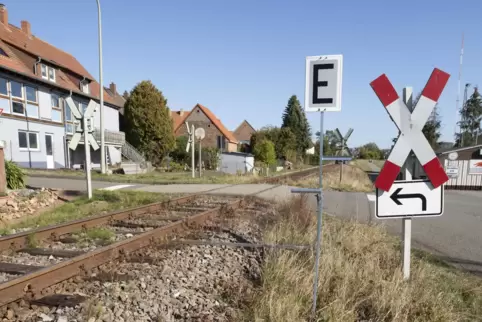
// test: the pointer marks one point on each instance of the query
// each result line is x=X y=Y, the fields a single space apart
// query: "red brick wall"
x=199 y=119
x=243 y=132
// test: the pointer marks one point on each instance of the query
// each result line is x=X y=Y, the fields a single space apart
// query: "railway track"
x=34 y=260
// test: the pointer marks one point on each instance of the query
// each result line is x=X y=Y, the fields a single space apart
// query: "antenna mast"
x=458 y=90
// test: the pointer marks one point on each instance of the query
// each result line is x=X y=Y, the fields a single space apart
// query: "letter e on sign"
x=323 y=83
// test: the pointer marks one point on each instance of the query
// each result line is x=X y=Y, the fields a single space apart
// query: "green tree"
x=148 y=124
x=294 y=118
x=284 y=141
x=264 y=152
x=179 y=154
x=471 y=116
x=370 y=151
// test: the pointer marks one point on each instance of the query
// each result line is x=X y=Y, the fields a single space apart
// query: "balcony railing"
x=112 y=137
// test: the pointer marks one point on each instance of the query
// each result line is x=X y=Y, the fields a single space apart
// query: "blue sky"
x=244 y=59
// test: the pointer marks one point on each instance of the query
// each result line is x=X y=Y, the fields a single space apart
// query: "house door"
x=49 y=150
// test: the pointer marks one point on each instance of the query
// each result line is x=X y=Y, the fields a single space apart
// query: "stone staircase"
x=137 y=164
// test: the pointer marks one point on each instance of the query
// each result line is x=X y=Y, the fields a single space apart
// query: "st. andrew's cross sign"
x=410 y=125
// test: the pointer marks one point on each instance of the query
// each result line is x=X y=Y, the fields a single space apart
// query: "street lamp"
x=101 y=90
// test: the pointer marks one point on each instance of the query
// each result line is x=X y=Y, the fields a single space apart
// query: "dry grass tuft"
x=360 y=277
x=354 y=179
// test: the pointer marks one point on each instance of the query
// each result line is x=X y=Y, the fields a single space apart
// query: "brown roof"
x=228 y=134
x=177 y=118
x=15 y=37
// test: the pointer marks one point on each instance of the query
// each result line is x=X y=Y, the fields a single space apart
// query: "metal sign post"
x=84 y=130
x=200 y=134
x=322 y=94
x=410 y=198
x=191 y=145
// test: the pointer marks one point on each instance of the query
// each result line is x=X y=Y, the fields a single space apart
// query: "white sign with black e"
x=323 y=83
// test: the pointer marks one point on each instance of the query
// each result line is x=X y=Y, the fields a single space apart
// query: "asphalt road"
x=456 y=235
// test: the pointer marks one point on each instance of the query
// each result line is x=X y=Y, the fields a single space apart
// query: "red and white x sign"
x=410 y=125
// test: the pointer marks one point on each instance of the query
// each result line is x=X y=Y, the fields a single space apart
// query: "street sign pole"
x=410 y=198
x=193 y=164
x=322 y=94
x=87 y=158
x=407 y=222
x=200 y=174
x=85 y=130
x=319 y=219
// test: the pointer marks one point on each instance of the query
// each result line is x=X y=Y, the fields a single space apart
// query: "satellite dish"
x=200 y=133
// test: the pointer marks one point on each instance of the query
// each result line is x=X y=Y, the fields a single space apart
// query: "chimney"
x=3 y=14
x=26 y=27
x=181 y=112
x=113 y=88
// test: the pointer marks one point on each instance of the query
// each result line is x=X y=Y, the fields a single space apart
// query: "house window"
x=44 y=71
x=3 y=86
x=31 y=93
x=69 y=128
x=55 y=101
x=220 y=142
x=16 y=89
x=56 y=116
x=68 y=113
x=28 y=141
x=18 y=108
x=85 y=87
x=51 y=74
x=48 y=72
x=56 y=109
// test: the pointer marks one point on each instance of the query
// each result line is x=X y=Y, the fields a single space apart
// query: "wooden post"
x=3 y=177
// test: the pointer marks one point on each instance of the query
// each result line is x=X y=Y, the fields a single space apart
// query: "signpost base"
x=407 y=244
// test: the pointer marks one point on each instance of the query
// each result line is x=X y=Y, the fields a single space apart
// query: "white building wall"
x=111 y=118
x=234 y=163
x=32 y=159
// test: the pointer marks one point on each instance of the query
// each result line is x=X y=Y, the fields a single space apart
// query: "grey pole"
x=101 y=90
x=319 y=221
x=193 y=147
x=200 y=174
x=87 y=158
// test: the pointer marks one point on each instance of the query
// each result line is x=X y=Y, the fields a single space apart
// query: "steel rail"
x=32 y=285
x=20 y=240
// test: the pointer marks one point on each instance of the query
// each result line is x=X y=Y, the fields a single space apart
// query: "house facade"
x=35 y=123
x=217 y=135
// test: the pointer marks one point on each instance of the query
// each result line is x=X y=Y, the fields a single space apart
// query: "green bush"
x=175 y=167
x=15 y=176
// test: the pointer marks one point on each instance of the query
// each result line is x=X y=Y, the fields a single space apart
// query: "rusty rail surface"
x=32 y=284
x=20 y=240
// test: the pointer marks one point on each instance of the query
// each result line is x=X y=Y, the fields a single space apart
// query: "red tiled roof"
x=213 y=119
x=37 y=47
x=13 y=36
x=177 y=118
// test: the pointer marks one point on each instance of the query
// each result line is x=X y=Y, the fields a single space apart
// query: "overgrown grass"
x=157 y=177
x=99 y=235
x=353 y=179
x=360 y=277
x=102 y=201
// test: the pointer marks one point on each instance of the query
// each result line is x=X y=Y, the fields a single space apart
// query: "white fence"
x=465 y=180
